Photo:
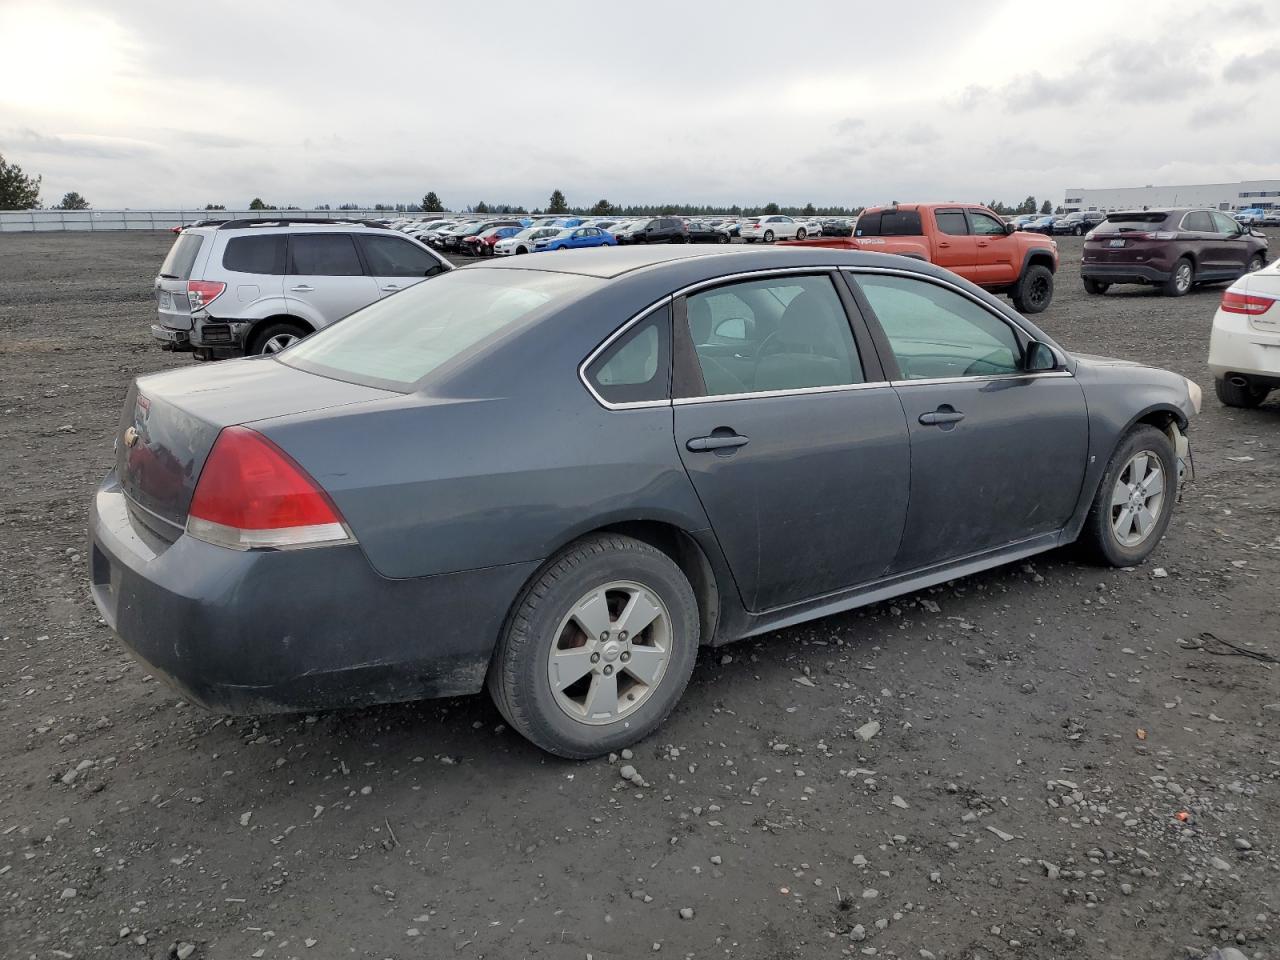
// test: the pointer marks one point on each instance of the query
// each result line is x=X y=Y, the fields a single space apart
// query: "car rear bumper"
x=246 y=632
x=1124 y=272
x=170 y=339
x=1238 y=347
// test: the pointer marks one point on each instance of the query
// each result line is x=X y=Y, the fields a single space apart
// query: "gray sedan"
x=560 y=479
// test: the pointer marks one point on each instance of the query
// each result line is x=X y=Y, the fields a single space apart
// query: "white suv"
x=772 y=228
x=1244 y=347
x=255 y=286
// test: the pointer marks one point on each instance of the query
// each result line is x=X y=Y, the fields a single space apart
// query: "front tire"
x=1256 y=263
x=1034 y=291
x=1095 y=287
x=1076 y=232
x=801 y=234
x=1134 y=502
x=1180 y=280
x=1245 y=395
x=599 y=648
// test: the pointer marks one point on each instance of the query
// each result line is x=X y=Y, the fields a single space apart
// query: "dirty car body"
x=787 y=485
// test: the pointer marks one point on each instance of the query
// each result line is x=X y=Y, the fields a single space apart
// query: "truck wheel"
x=1134 y=501
x=1179 y=282
x=1034 y=291
x=599 y=648
x=1096 y=287
x=1242 y=394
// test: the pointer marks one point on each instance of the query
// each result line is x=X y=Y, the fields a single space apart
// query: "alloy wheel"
x=1137 y=499
x=610 y=652
x=1183 y=277
x=279 y=342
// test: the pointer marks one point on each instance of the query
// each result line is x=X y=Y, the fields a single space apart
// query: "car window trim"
x=1020 y=332
x=964 y=215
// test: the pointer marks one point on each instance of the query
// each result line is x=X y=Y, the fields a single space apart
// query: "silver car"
x=255 y=286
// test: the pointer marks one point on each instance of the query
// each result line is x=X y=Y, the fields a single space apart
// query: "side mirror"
x=1010 y=228
x=1040 y=357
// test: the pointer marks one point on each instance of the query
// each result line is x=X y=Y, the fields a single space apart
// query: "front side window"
x=323 y=255
x=399 y=341
x=261 y=254
x=935 y=332
x=985 y=225
x=389 y=257
x=1224 y=224
x=636 y=367
x=952 y=222
x=783 y=333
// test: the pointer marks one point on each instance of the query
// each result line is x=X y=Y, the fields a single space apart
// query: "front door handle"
x=726 y=442
x=301 y=288
x=941 y=417
x=390 y=288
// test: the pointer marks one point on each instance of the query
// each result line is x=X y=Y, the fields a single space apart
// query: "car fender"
x=1042 y=253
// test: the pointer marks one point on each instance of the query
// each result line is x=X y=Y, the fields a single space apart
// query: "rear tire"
x=1095 y=287
x=1244 y=395
x=768 y=236
x=1104 y=527
x=274 y=337
x=602 y=705
x=1034 y=291
x=1180 y=280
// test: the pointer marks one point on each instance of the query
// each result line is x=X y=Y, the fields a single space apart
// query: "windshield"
x=397 y=342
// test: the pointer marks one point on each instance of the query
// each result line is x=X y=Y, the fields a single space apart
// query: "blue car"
x=572 y=238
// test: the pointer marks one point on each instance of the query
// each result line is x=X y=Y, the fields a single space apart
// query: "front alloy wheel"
x=1137 y=499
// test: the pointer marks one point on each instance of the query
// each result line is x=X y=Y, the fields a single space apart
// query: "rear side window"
x=262 y=254
x=182 y=257
x=1199 y=221
x=952 y=222
x=890 y=223
x=637 y=367
x=389 y=257
x=323 y=255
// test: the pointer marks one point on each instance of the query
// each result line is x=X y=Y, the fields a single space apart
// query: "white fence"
x=28 y=221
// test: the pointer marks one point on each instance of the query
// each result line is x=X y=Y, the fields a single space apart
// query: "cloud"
x=848 y=126
x=1218 y=113
x=208 y=138
x=1033 y=91
x=1254 y=68
x=81 y=145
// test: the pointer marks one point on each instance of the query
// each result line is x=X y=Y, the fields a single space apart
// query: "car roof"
x=709 y=260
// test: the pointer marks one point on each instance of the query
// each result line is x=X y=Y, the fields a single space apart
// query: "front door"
x=954 y=248
x=997 y=454
x=801 y=463
x=1234 y=242
x=996 y=257
x=397 y=264
x=326 y=280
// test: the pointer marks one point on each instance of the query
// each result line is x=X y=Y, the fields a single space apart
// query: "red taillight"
x=201 y=293
x=1250 y=304
x=251 y=494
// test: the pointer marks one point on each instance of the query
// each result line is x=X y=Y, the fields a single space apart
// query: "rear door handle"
x=301 y=288
x=717 y=443
x=939 y=417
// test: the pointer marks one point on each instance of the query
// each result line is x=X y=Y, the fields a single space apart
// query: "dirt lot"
x=1063 y=768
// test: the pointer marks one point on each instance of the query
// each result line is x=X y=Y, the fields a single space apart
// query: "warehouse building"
x=1219 y=196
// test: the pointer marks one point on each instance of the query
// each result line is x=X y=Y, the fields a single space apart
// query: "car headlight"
x=1195 y=393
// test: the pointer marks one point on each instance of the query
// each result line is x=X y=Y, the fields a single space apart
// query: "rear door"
x=997 y=454
x=799 y=456
x=953 y=246
x=396 y=263
x=326 y=279
x=996 y=255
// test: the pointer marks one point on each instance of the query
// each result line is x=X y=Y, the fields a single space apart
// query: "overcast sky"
x=150 y=103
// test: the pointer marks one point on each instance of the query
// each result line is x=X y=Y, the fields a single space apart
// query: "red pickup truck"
x=966 y=239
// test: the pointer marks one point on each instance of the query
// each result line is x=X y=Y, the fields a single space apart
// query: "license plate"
x=1116 y=243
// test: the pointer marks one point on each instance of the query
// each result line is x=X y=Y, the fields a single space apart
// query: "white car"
x=771 y=228
x=523 y=242
x=1244 y=348
x=812 y=226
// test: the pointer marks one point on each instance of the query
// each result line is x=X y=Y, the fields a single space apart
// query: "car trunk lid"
x=170 y=421
x=172 y=306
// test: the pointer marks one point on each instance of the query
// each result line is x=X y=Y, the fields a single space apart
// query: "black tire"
x=750 y=239
x=1034 y=291
x=518 y=677
x=768 y=236
x=1256 y=263
x=520 y=250
x=1244 y=395
x=1098 y=536
x=801 y=233
x=263 y=337
x=1180 y=280
x=723 y=238
x=1076 y=231
x=1095 y=287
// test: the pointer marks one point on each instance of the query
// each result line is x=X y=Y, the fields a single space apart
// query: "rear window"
x=397 y=342
x=890 y=223
x=1130 y=222
x=182 y=257
x=264 y=254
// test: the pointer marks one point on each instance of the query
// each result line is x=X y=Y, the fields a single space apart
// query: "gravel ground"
x=1048 y=760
